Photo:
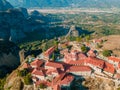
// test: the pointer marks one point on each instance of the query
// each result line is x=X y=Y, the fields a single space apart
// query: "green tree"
x=42 y=86
x=53 y=56
x=23 y=72
x=2 y=82
x=72 y=38
x=69 y=47
x=56 y=42
x=84 y=49
x=78 y=39
x=107 y=53
x=28 y=79
x=87 y=38
x=99 y=46
x=45 y=47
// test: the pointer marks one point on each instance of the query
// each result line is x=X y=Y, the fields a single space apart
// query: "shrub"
x=28 y=79
x=84 y=49
x=99 y=46
x=23 y=72
x=2 y=82
x=107 y=53
x=42 y=86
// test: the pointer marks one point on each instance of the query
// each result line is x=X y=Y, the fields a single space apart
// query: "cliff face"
x=12 y=24
x=4 y=5
x=15 y=82
x=9 y=57
x=9 y=60
x=16 y=35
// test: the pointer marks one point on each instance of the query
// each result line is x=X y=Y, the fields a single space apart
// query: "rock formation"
x=22 y=55
x=73 y=32
x=4 y=5
x=12 y=23
x=9 y=57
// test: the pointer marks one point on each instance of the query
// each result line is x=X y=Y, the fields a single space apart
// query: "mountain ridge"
x=5 y=5
x=66 y=3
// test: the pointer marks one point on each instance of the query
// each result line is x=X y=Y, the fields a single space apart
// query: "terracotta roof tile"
x=37 y=63
x=38 y=72
x=78 y=62
x=49 y=51
x=54 y=64
x=56 y=87
x=81 y=56
x=79 y=68
x=67 y=80
x=115 y=59
x=109 y=68
x=95 y=61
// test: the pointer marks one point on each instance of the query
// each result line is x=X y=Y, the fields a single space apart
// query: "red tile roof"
x=96 y=62
x=67 y=80
x=91 y=53
x=81 y=56
x=114 y=59
x=79 y=68
x=37 y=63
x=78 y=62
x=49 y=51
x=58 y=71
x=56 y=87
x=62 y=79
x=54 y=64
x=49 y=71
x=38 y=72
x=58 y=78
x=109 y=68
x=75 y=55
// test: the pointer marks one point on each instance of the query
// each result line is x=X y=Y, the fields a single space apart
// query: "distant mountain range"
x=66 y=3
x=4 y=5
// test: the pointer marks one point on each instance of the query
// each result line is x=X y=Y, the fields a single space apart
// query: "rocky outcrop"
x=4 y=31
x=4 y=5
x=16 y=35
x=8 y=60
x=22 y=55
x=24 y=11
x=73 y=32
x=12 y=24
x=9 y=57
x=16 y=82
x=13 y=82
